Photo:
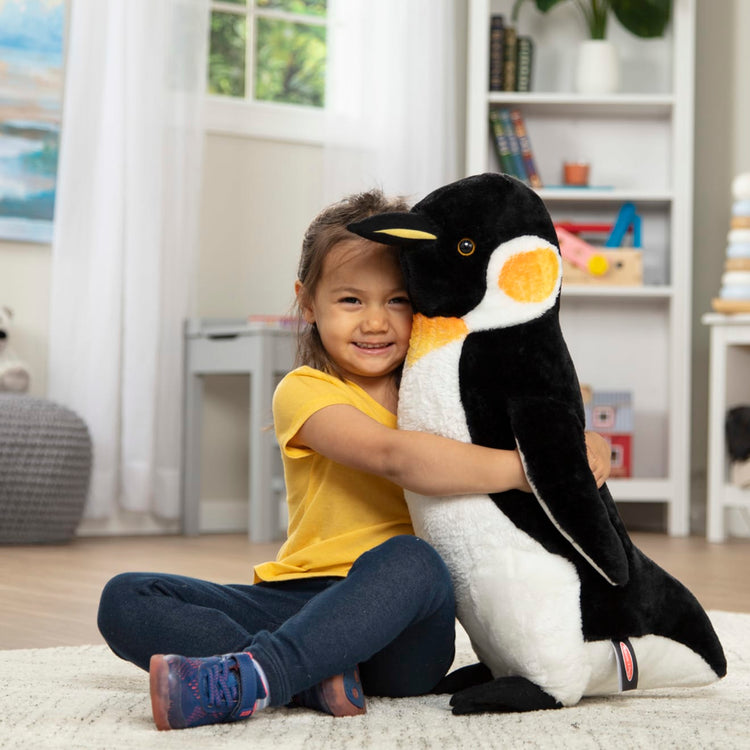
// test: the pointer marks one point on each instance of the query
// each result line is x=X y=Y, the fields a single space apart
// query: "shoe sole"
x=158 y=673
x=333 y=694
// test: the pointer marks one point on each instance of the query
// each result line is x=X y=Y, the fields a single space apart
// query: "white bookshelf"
x=640 y=147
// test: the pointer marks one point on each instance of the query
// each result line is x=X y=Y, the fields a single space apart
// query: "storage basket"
x=45 y=468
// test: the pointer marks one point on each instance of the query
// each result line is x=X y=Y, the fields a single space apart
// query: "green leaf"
x=226 y=67
x=291 y=60
x=644 y=18
x=301 y=7
x=541 y=5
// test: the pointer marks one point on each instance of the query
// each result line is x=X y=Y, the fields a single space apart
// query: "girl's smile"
x=372 y=347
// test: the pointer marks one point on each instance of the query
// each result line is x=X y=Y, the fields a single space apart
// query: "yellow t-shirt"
x=335 y=513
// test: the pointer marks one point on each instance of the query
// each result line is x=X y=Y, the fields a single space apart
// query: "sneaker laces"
x=222 y=686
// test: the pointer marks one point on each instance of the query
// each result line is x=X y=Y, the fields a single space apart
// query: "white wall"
x=258 y=199
x=259 y=196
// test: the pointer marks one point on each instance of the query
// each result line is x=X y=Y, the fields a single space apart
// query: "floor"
x=49 y=594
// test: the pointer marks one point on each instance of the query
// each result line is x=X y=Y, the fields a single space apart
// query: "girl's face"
x=362 y=310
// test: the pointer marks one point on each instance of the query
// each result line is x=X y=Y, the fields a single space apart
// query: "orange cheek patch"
x=428 y=334
x=530 y=276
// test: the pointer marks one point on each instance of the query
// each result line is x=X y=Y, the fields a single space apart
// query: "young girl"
x=354 y=602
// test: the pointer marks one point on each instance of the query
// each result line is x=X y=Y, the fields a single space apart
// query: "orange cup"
x=575 y=173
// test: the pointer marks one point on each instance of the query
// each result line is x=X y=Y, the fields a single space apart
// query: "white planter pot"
x=598 y=70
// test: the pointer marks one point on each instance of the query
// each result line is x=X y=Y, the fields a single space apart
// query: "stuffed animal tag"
x=627 y=665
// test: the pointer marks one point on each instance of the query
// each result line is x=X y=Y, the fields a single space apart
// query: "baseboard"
x=123 y=523
x=217 y=517
x=223 y=516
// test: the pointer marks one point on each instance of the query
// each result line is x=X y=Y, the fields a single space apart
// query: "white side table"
x=213 y=347
x=729 y=385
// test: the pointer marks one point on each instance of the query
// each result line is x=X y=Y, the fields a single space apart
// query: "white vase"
x=598 y=70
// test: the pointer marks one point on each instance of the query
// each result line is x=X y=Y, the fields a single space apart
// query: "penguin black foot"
x=463 y=678
x=504 y=695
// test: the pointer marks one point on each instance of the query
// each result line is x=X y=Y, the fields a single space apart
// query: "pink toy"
x=580 y=253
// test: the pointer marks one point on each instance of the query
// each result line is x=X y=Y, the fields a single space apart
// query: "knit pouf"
x=45 y=467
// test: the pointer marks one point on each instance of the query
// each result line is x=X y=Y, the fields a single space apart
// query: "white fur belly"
x=518 y=603
x=512 y=596
x=429 y=396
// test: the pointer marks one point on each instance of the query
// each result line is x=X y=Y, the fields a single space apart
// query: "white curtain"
x=394 y=97
x=126 y=224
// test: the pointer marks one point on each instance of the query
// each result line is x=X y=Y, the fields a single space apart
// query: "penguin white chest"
x=459 y=527
x=429 y=396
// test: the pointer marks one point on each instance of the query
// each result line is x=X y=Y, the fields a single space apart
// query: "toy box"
x=624 y=268
x=610 y=413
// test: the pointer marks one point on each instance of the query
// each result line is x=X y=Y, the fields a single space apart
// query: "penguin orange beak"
x=530 y=276
x=428 y=334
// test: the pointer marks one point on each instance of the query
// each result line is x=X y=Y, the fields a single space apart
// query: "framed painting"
x=31 y=83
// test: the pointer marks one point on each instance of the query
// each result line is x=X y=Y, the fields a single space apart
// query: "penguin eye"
x=466 y=246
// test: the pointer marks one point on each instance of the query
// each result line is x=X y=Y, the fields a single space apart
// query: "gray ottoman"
x=45 y=467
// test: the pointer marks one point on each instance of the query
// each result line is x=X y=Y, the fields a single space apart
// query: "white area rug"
x=88 y=698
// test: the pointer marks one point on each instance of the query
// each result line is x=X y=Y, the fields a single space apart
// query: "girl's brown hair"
x=326 y=230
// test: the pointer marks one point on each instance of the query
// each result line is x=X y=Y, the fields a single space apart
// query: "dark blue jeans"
x=394 y=615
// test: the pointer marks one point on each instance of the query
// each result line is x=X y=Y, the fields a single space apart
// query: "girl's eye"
x=401 y=301
x=466 y=246
x=349 y=300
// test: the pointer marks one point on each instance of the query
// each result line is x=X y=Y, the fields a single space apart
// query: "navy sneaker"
x=341 y=695
x=191 y=692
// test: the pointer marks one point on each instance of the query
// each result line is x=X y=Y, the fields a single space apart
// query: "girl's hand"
x=600 y=457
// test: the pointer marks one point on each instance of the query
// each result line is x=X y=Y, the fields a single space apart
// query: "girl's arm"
x=600 y=457
x=418 y=461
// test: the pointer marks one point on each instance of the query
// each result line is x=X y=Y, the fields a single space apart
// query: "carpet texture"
x=86 y=697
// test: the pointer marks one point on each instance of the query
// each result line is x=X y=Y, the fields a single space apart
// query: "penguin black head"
x=450 y=236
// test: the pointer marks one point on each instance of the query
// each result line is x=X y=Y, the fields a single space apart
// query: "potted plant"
x=598 y=70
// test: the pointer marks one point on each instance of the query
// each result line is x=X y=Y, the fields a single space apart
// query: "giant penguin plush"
x=556 y=599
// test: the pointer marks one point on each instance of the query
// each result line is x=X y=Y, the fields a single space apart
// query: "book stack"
x=513 y=145
x=511 y=57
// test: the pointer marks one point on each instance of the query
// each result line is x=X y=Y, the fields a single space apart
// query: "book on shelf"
x=511 y=57
x=502 y=147
x=524 y=60
x=497 y=51
x=513 y=146
x=524 y=142
x=519 y=166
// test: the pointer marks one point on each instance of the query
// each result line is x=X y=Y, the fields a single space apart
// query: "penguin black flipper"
x=551 y=442
x=503 y=695
x=538 y=409
x=462 y=678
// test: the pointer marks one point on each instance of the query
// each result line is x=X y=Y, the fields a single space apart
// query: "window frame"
x=258 y=119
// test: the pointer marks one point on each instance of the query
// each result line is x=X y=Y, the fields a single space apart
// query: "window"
x=267 y=67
